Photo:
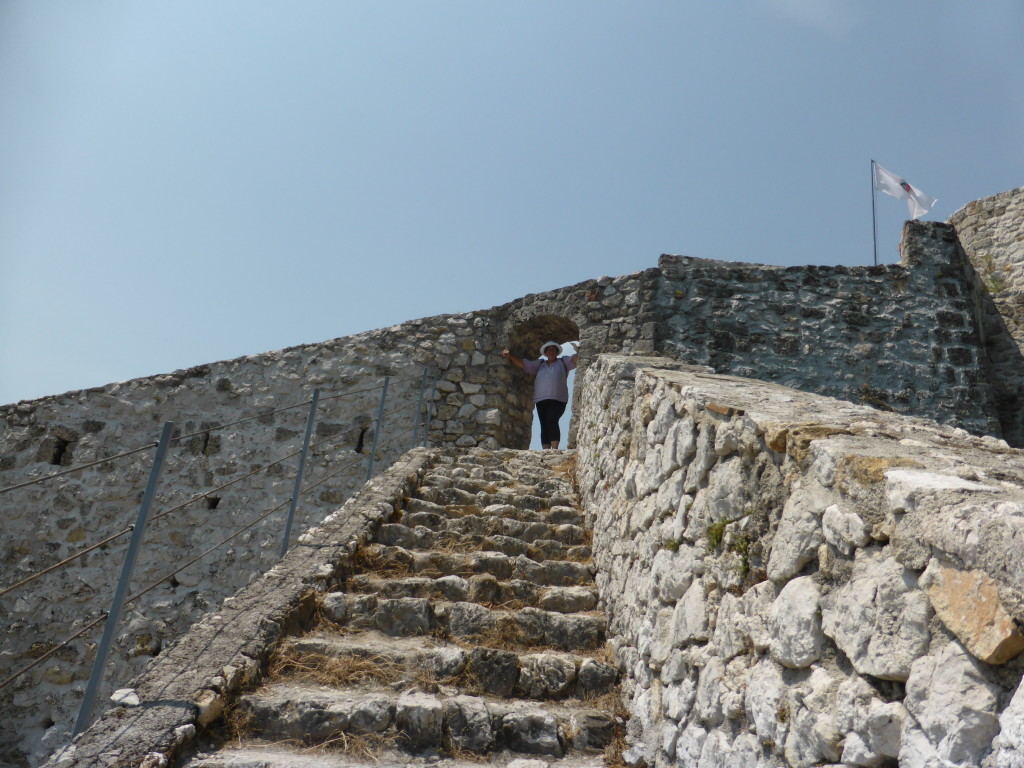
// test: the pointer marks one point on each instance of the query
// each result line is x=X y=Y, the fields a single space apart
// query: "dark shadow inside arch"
x=525 y=339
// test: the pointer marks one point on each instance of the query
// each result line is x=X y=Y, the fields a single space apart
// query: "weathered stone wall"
x=991 y=231
x=481 y=400
x=794 y=580
x=901 y=337
x=45 y=523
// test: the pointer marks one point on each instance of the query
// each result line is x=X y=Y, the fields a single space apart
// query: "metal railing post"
x=376 y=430
x=114 y=616
x=419 y=408
x=298 y=473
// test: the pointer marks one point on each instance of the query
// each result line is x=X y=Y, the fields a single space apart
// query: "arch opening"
x=525 y=339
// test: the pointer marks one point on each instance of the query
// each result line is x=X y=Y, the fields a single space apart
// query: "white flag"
x=918 y=203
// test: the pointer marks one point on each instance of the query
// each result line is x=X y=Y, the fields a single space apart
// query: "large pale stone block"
x=968 y=604
x=871 y=726
x=813 y=736
x=765 y=690
x=795 y=624
x=952 y=711
x=1008 y=746
x=799 y=535
x=879 y=619
x=691 y=618
x=844 y=530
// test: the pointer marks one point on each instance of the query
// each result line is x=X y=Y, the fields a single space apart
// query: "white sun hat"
x=547 y=344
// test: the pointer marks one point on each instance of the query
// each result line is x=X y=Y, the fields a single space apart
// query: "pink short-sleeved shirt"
x=551 y=382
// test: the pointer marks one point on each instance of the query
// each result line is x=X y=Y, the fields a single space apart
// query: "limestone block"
x=844 y=530
x=729 y=637
x=795 y=624
x=708 y=703
x=673 y=572
x=799 y=535
x=871 y=727
x=952 y=710
x=690 y=620
x=469 y=723
x=544 y=675
x=533 y=732
x=704 y=458
x=663 y=641
x=724 y=499
x=1008 y=746
x=765 y=691
x=594 y=676
x=419 y=717
x=678 y=699
x=879 y=619
x=722 y=750
x=664 y=418
x=490 y=416
x=734 y=686
x=756 y=606
x=670 y=492
x=968 y=604
x=813 y=736
x=690 y=744
x=906 y=487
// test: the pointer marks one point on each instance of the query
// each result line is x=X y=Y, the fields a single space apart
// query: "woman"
x=550 y=387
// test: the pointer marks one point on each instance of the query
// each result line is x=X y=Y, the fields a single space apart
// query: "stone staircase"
x=469 y=631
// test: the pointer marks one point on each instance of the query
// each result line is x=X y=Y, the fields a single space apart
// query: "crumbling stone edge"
x=186 y=687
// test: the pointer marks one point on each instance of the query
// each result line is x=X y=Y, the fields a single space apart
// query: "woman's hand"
x=512 y=359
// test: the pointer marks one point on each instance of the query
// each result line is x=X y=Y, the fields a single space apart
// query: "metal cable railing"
x=422 y=420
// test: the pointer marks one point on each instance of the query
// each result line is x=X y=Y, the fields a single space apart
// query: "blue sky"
x=193 y=181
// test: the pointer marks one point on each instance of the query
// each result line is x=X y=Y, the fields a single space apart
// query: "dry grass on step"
x=333 y=671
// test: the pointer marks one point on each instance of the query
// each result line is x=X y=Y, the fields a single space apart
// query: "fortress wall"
x=991 y=231
x=481 y=400
x=43 y=524
x=794 y=580
x=901 y=337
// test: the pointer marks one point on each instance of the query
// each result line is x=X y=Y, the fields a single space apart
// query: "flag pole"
x=874 y=218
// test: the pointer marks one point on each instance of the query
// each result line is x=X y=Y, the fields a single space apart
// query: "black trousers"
x=549 y=412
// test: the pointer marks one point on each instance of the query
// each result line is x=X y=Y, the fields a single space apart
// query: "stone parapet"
x=902 y=337
x=786 y=574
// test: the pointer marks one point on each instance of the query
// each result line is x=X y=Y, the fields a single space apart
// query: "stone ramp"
x=469 y=628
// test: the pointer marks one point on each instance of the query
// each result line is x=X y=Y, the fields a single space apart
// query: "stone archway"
x=524 y=340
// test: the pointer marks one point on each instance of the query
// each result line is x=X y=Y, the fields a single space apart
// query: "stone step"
x=520 y=500
x=402 y=662
x=423 y=538
x=285 y=756
x=409 y=616
x=495 y=482
x=420 y=721
x=557 y=515
x=496 y=524
x=398 y=561
x=481 y=588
